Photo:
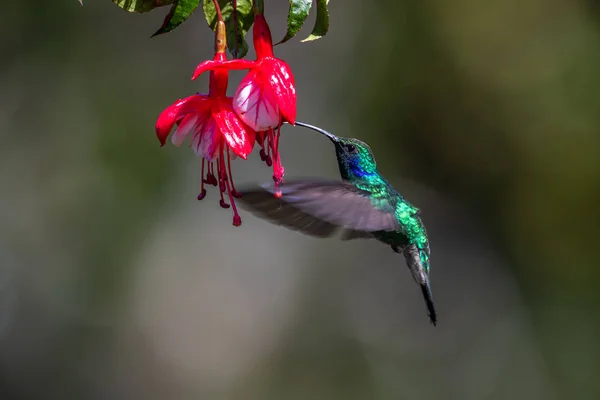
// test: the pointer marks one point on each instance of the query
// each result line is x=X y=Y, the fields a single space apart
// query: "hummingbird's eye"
x=350 y=148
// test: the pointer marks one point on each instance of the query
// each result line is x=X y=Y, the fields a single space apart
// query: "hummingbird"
x=362 y=205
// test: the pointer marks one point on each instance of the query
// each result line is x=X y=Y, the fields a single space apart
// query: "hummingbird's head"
x=355 y=157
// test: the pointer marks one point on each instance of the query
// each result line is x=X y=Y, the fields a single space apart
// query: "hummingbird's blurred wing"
x=264 y=205
x=351 y=234
x=326 y=204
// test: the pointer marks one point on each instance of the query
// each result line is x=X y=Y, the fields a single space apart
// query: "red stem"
x=218 y=8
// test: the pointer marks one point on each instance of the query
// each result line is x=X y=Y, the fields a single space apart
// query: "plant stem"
x=258 y=6
x=218 y=8
x=235 y=27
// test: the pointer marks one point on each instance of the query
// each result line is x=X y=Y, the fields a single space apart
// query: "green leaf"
x=237 y=23
x=296 y=17
x=322 y=22
x=141 y=6
x=180 y=11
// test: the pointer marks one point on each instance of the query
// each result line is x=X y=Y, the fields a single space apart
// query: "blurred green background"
x=116 y=283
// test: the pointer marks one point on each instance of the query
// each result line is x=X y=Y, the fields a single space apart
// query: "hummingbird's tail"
x=420 y=271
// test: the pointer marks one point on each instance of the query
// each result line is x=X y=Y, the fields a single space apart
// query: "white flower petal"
x=187 y=125
x=197 y=137
x=211 y=139
x=206 y=139
x=255 y=104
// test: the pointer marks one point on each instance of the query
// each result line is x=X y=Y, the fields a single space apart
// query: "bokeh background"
x=116 y=283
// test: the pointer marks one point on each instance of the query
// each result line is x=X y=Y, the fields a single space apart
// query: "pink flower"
x=216 y=130
x=266 y=96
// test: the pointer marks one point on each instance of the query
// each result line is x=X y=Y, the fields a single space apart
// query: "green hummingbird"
x=362 y=205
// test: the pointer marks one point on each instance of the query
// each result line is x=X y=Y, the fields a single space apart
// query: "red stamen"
x=278 y=170
x=268 y=140
x=211 y=175
x=237 y=220
x=224 y=174
x=202 y=190
x=274 y=144
x=221 y=170
x=260 y=138
x=234 y=192
x=222 y=202
x=221 y=176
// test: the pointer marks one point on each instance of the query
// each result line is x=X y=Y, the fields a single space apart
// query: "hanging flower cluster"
x=266 y=96
x=216 y=130
x=221 y=128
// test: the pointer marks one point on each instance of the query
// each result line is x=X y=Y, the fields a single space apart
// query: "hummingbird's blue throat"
x=359 y=169
x=359 y=172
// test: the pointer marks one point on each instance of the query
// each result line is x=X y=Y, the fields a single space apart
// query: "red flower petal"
x=175 y=113
x=168 y=118
x=255 y=101
x=237 y=135
x=227 y=64
x=282 y=82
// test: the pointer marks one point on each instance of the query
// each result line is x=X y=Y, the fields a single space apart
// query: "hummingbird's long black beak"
x=331 y=136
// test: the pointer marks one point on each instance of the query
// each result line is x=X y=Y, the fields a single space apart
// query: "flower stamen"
x=237 y=220
x=222 y=177
x=211 y=175
x=268 y=158
x=278 y=170
x=202 y=190
x=234 y=192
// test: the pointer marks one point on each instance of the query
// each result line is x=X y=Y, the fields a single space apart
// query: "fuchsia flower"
x=266 y=97
x=216 y=129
